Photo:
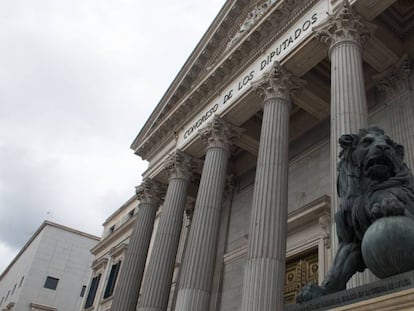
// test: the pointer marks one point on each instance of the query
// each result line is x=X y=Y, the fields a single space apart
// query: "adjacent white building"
x=51 y=272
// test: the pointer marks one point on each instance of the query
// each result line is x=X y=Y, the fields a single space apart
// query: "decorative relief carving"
x=189 y=212
x=150 y=191
x=325 y=224
x=396 y=78
x=179 y=165
x=344 y=25
x=278 y=83
x=229 y=185
x=299 y=272
x=219 y=133
x=252 y=17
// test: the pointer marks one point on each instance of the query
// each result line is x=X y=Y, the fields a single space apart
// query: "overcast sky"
x=78 y=79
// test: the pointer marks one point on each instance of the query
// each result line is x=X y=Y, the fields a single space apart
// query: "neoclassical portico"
x=215 y=85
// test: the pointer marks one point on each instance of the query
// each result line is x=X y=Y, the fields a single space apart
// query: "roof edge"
x=33 y=237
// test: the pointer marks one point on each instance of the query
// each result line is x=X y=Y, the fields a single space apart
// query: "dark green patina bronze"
x=375 y=220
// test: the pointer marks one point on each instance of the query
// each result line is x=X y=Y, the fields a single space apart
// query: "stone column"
x=395 y=86
x=345 y=32
x=158 y=275
x=129 y=283
x=266 y=251
x=194 y=289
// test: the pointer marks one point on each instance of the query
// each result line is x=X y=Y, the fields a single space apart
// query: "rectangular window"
x=2 y=299
x=7 y=296
x=131 y=213
x=83 y=290
x=51 y=283
x=109 y=290
x=14 y=288
x=92 y=291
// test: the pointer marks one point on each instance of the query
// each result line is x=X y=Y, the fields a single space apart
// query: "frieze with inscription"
x=280 y=49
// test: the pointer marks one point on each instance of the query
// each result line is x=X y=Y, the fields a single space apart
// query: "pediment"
x=241 y=29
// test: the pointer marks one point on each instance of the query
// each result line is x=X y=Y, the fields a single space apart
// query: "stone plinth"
x=393 y=293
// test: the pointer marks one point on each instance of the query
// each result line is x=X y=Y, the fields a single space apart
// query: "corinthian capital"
x=219 y=133
x=179 y=165
x=396 y=78
x=150 y=191
x=278 y=83
x=344 y=25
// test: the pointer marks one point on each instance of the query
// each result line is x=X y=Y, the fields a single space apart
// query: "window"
x=2 y=299
x=51 y=283
x=109 y=290
x=92 y=291
x=7 y=296
x=21 y=282
x=83 y=290
x=111 y=229
x=14 y=288
x=131 y=213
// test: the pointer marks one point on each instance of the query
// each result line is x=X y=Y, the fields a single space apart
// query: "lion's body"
x=373 y=182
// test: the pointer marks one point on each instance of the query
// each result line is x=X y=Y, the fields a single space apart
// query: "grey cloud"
x=26 y=194
x=77 y=81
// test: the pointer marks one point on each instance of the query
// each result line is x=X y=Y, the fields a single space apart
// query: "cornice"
x=99 y=263
x=114 y=237
x=221 y=72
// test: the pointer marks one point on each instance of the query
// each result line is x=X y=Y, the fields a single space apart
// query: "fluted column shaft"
x=396 y=85
x=158 y=275
x=345 y=32
x=198 y=263
x=129 y=282
x=266 y=253
x=401 y=111
x=349 y=111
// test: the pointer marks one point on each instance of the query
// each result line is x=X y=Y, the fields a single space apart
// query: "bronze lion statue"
x=373 y=183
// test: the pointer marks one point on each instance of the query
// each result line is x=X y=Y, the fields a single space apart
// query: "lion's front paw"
x=309 y=292
x=388 y=207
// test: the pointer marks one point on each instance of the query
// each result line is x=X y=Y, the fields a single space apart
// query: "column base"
x=192 y=300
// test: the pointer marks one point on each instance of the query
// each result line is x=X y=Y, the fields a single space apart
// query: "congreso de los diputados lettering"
x=236 y=208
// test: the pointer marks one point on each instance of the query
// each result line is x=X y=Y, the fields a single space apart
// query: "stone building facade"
x=244 y=142
x=51 y=271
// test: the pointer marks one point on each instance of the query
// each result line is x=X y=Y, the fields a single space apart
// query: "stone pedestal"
x=129 y=282
x=266 y=253
x=158 y=275
x=198 y=263
x=391 y=294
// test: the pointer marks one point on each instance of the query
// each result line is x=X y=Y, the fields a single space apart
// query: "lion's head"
x=371 y=168
x=371 y=157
